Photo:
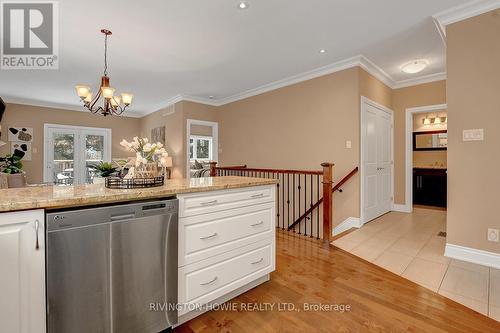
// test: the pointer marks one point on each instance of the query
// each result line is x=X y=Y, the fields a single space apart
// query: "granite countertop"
x=430 y=167
x=48 y=196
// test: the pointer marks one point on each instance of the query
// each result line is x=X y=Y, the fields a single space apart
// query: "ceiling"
x=160 y=49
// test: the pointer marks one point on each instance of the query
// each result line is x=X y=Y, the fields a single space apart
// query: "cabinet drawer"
x=206 y=202
x=206 y=281
x=203 y=236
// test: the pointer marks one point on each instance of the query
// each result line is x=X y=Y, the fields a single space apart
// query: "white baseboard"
x=402 y=208
x=350 y=222
x=474 y=256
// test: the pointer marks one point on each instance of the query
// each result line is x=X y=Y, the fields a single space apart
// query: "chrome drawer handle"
x=37 y=226
x=256 y=224
x=208 y=237
x=209 y=282
x=206 y=203
x=260 y=195
x=258 y=261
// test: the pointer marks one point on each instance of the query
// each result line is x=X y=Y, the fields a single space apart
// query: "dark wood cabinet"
x=429 y=187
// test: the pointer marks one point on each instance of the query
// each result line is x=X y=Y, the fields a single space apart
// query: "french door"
x=377 y=165
x=70 y=151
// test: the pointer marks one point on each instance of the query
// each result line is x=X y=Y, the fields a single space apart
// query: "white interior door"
x=70 y=150
x=377 y=165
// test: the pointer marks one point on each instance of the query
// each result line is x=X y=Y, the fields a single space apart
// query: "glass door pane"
x=63 y=158
x=94 y=154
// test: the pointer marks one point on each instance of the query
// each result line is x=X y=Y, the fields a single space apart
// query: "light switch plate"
x=348 y=144
x=473 y=135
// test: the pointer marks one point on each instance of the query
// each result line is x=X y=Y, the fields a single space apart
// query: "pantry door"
x=70 y=151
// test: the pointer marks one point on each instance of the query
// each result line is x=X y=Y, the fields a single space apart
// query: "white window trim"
x=215 y=140
x=210 y=148
x=79 y=129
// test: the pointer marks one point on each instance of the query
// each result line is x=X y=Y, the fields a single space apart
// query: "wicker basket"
x=120 y=183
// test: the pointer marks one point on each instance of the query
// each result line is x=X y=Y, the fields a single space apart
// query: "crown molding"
x=61 y=106
x=465 y=11
x=321 y=71
x=376 y=71
x=420 y=80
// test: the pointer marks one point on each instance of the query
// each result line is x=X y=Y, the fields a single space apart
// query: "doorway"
x=430 y=113
x=377 y=166
x=202 y=147
x=70 y=151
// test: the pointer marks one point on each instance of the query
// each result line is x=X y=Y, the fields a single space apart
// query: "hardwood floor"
x=380 y=301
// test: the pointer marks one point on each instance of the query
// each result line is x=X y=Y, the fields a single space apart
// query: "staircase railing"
x=300 y=196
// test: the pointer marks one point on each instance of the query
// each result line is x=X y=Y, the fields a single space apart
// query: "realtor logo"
x=29 y=35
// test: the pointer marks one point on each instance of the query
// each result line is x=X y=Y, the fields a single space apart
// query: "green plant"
x=104 y=169
x=11 y=164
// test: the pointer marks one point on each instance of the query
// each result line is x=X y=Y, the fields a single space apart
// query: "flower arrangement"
x=145 y=151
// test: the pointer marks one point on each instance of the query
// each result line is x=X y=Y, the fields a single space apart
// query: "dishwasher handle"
x=122 y=217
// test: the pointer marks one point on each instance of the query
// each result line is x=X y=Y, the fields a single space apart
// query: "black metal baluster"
x=311 y=204
x=293 y=199
x=317 y=210
x=305 y=204
x=299 y=187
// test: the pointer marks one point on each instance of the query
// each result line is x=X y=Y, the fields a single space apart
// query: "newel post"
x=327 y=202
x=213 y=169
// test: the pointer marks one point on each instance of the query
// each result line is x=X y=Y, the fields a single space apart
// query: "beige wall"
x=174 y=118
x=421 y=95
x=201 y=130
x=301 y=126
x=33 y=116
x=473 y=90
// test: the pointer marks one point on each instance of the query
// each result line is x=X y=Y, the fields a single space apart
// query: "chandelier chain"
x=105 y=55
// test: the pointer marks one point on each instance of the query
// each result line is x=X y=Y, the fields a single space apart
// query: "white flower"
x=159 y=145
x=136 y=139
x=147 y=147
x=134 y=145
x=124 y=143
x=145 y=140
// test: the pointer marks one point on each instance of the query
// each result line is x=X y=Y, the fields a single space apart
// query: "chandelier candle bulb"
x=115 y=101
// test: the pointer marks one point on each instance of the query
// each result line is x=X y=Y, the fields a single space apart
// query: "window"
x=72 y=150
x=200 y=148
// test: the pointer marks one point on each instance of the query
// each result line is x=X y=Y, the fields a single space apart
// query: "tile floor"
x=409 y=245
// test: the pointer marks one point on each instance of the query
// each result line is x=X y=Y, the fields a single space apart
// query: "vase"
x=147 y=170
x=98 y=180
x=16 y=180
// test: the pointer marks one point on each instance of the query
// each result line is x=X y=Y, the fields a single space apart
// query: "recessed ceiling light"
x=243 y=5
x=322 y=51
x=211 y=97
x=414 y=66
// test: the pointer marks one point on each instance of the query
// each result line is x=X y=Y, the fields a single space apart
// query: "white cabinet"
x=22 y=272
x=226 y=244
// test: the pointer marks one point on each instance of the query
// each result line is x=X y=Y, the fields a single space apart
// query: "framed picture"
x=158 y=135
x=20 y=134
x=21 y=149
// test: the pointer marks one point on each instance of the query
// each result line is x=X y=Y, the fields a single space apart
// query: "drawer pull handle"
x=255 y=196
x=209 y=282
x=208 y=237
x=207 y=203
x=258 y=261
x=37 y=226
x=256 y=224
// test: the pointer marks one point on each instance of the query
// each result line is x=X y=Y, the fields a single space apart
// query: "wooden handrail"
x=290 y=171
x=337 y=187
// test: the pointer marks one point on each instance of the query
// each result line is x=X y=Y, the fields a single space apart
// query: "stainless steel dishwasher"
x=107 y=266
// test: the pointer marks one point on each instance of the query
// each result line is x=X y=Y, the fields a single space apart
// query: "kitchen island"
x=226 y=245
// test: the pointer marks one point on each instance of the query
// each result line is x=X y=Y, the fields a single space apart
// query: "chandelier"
x=110 y=104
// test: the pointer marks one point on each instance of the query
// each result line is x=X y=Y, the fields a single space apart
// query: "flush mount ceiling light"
x=322 y=51
x=414 y=66
x=111 y=104
x=243 y=5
